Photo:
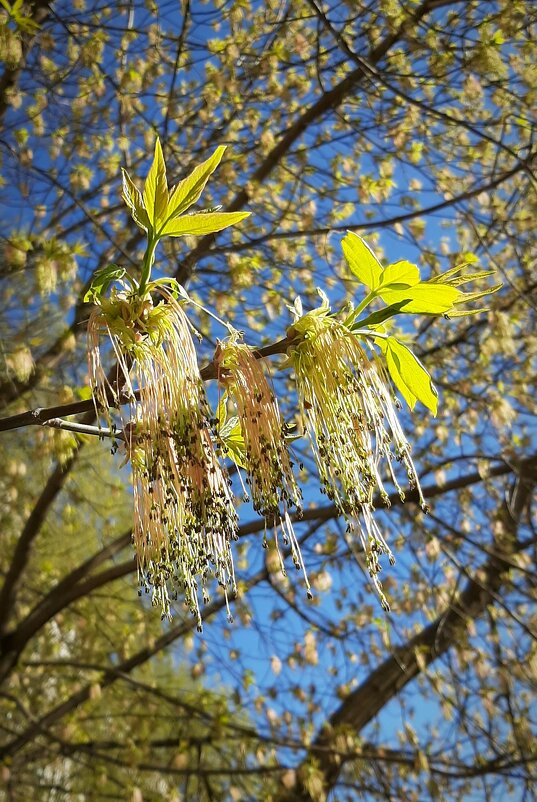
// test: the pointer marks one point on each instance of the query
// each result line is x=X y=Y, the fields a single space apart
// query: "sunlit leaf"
x=233 y=440
x=446 y=278
x=133 y=198
x=202 y=223
x=423 y=298
x=409 y=375
x=399 y=275
x=156 y=188
x=466 y=312
x=102 y=280
x=460 y=280
x=361 y=260
x=84 y=393
x=221 y=411
x=189 y=190
x=475 y=296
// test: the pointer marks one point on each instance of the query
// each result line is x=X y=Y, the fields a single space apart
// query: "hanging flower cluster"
x=184 y=514
x=184 y=510
x=350 y=415
x=264 y=453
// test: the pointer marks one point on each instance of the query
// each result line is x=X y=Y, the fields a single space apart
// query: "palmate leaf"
x=161 y=213
x=361 y=260
x=408 y=374
x=156 y=189
x=201 y=223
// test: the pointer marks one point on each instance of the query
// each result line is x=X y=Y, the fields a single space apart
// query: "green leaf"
x=457 y=282
x=189 y=190
x=466 y=312
x=445 y=278
x=475 y=296
x=84 y=393
x=229 y=426
x=156 y=189
x=133 y=198
x=102 y=280
x=399 y=276
x=408 y=374
x=423 y=298
x=201 y=223
x=361 y=260
x=233 y=440
x=221 y=412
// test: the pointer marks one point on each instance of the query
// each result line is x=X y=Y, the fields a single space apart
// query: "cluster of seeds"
x=351 y=420
x=266 y=458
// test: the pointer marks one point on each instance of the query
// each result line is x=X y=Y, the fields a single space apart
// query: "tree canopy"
x=407 y=126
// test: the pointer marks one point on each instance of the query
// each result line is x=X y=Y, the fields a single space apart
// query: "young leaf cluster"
x=400 y=288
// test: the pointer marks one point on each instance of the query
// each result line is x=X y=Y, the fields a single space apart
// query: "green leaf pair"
x=161 y=212
x=102 y=279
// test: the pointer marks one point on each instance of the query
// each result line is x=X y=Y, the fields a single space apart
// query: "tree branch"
x=77 y=584
x=42 y=416
x=112 y=674
x=31 y=528
x=408 y=661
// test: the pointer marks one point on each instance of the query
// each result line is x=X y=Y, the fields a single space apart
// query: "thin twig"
x=42 y=416
x=82 y=428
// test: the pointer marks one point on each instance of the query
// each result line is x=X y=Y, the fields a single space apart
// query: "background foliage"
x=410 y=123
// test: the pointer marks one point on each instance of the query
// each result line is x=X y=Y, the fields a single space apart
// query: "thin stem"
x=149 y=258
x=365 y=303
x=369 y=333
x=83 y=428
x=231 y=329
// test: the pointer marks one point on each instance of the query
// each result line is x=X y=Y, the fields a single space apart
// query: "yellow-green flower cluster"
x=350 y=416
x=184 y=517
x=264 y=453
